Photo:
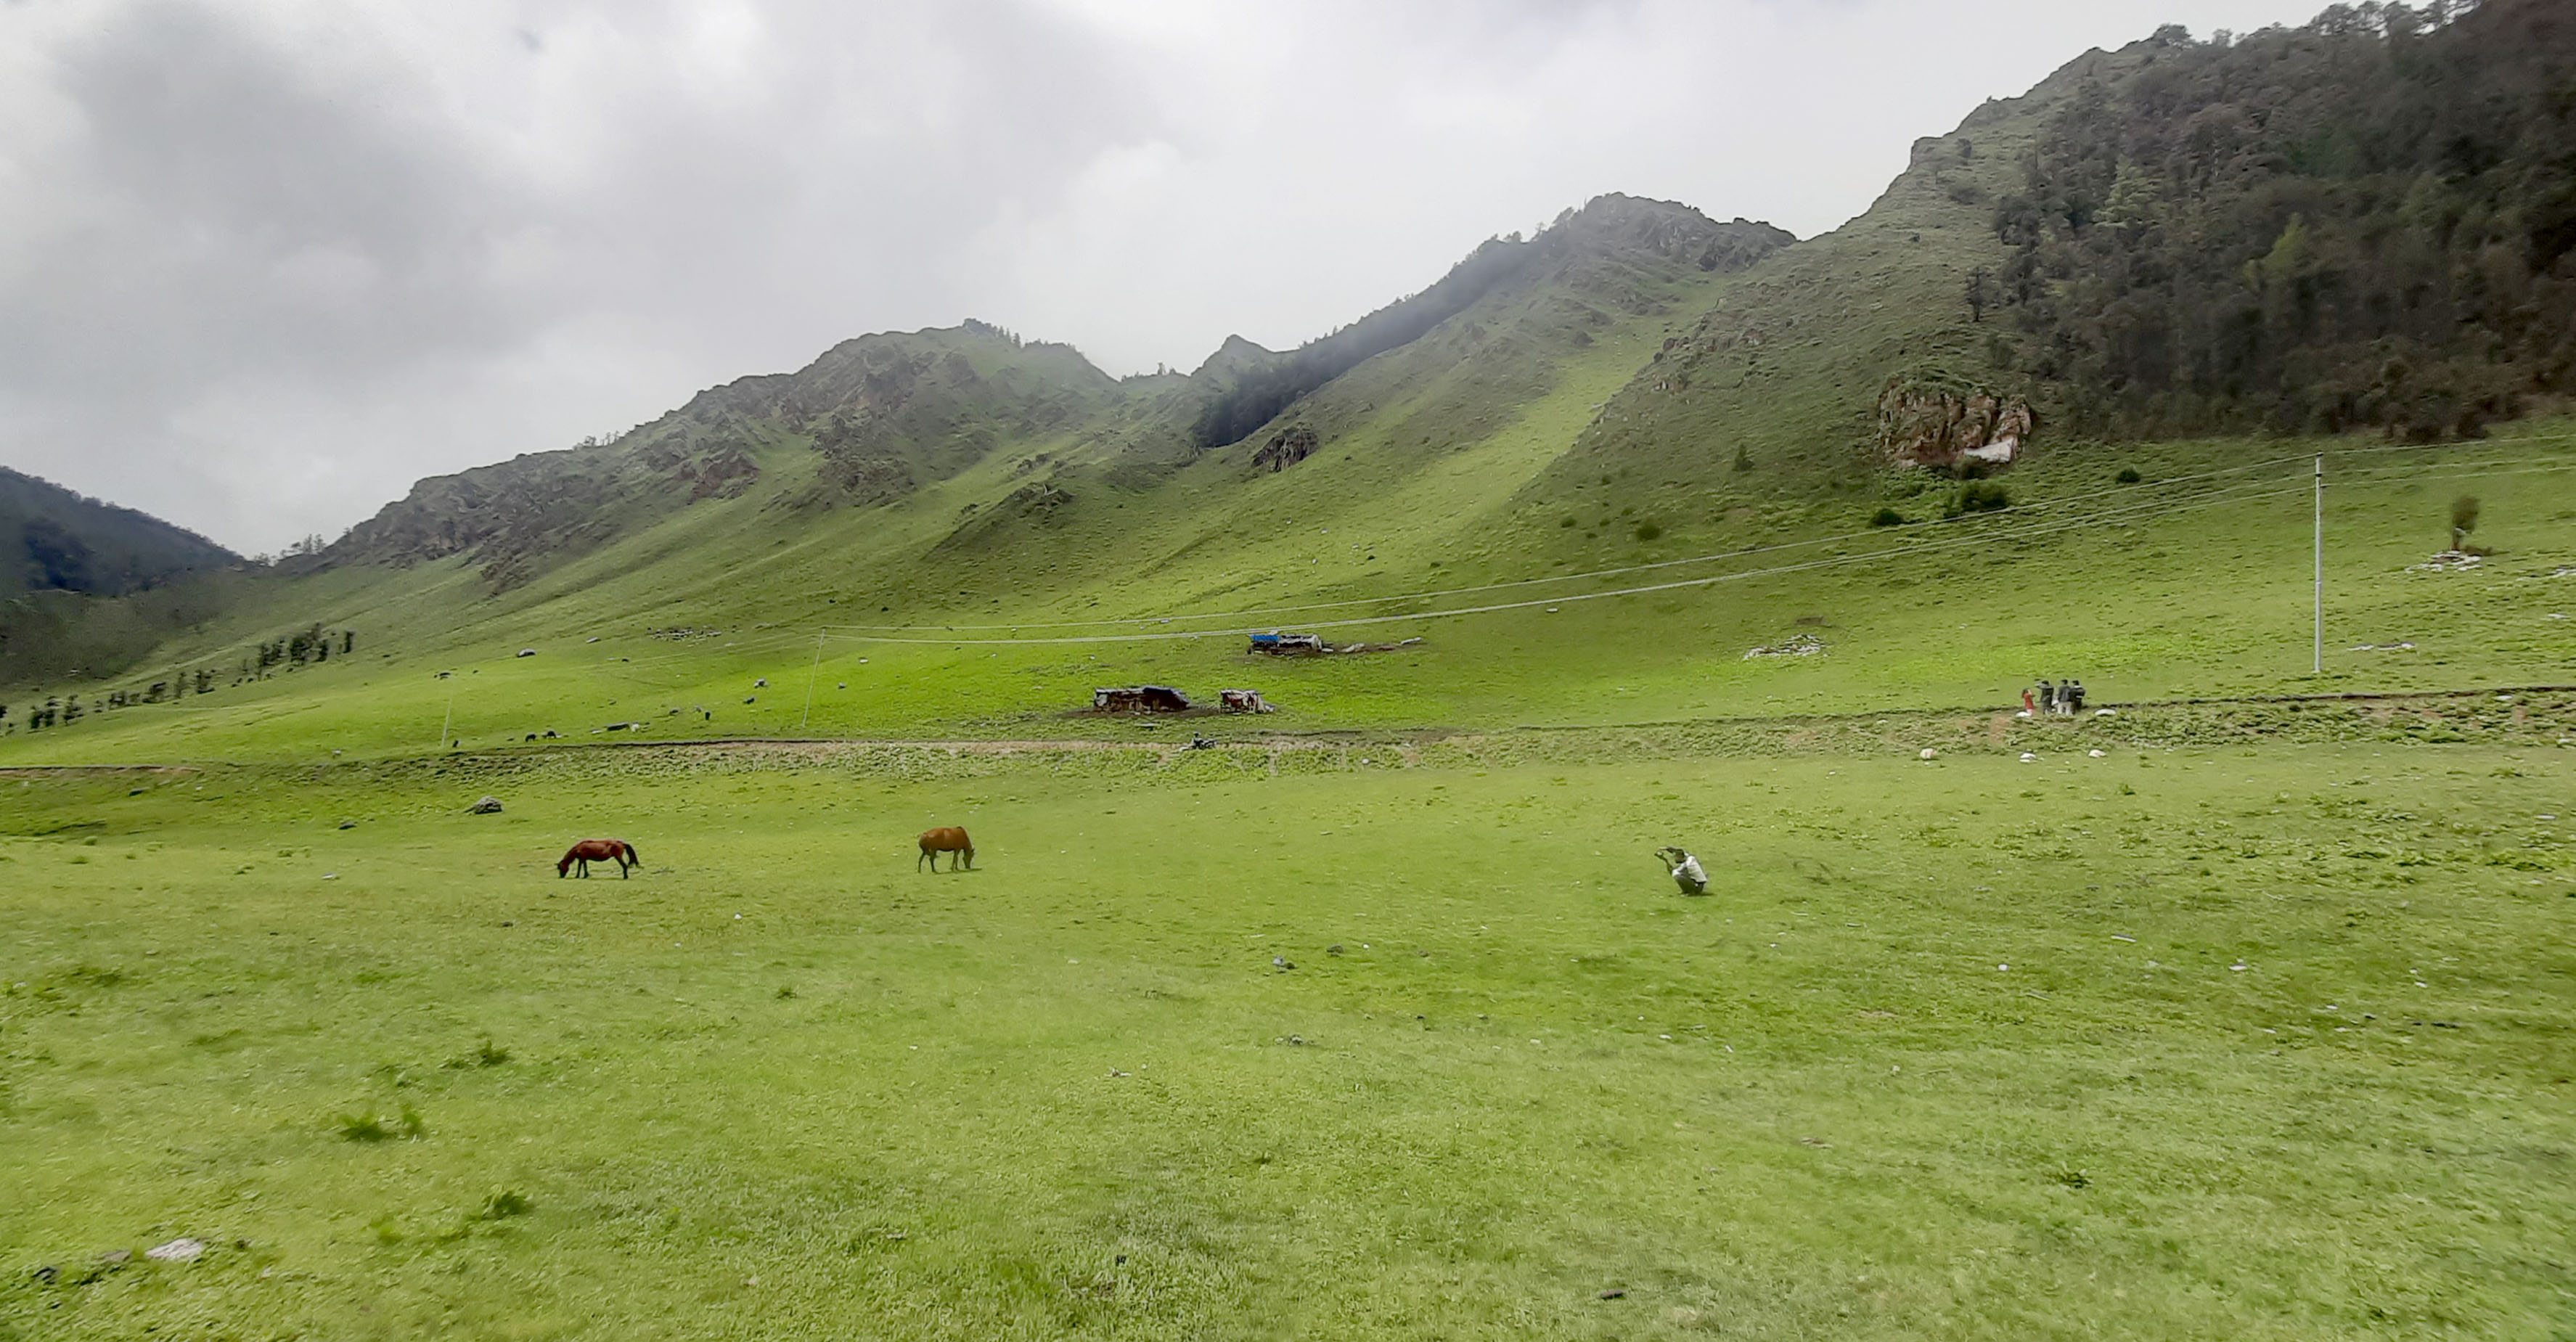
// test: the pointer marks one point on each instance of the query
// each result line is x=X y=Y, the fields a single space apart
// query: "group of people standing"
x=2054 y=698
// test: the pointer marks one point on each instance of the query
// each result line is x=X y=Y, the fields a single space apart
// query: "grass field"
x=2281 y=1051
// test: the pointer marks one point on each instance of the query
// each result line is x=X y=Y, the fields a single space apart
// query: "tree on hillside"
x=2366 y=222
x=1981 y=293
x=2464 y=519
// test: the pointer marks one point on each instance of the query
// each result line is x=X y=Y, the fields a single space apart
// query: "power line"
x=2215 y=499
x=1571 y=577
x=972 y=633
x=1263 y=613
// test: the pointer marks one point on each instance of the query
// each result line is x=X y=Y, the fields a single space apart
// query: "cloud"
x=266 y=263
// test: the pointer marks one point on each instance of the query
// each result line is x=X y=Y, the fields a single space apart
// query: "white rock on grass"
x=2029 y=758
x=1929 y=753
x=2097 y=754
x=182 y=1250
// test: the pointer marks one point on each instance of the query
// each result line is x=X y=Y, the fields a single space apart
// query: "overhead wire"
x=1618 y=571
x=2216 y=498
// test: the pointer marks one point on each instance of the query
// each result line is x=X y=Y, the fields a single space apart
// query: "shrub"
x=1979 y=496
x=1887 y=517
x=362 y=1128
x=2128 y=476
x=507 y=1203
x=1647 y=531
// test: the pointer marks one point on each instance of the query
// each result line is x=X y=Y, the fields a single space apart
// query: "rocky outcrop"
x=885 y=413
x=1285 y=449
x=1231 y=360
x=1935 y=424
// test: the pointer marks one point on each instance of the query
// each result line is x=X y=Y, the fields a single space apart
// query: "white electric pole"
x=811 y=673
x=2317 y=663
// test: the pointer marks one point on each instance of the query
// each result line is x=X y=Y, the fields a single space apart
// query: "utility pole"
x=810 y=674
x=2317 y=663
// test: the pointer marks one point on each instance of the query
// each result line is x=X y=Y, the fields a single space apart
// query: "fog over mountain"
x=265 y=264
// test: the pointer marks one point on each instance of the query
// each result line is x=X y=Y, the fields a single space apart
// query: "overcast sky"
x=264 y=264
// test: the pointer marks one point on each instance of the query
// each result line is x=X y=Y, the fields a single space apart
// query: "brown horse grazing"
x=600 y=850
x=946 y=839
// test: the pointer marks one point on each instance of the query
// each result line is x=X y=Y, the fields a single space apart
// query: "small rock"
x=348 y=824
x=2029 y=758
x=181 y=1250
x=2097 y=754
x=1297 y=1039
x=487 y=806
x=1281 y=961
x=1929 y=754
x=47 y=1274
x=1613 y=1292
x=115 y=1258
x=1334 y=949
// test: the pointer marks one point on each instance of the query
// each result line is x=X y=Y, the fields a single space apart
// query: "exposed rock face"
x=1929 y=424
x=1285 y=449
x=885 y=413
x=1231 y=360
x=719 y=469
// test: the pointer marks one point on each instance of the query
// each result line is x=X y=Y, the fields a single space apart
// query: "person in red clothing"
x=2028 y=708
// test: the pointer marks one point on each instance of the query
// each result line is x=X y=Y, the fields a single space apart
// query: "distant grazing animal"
x=600 y=850
x=1686 y=870
x=946 y=839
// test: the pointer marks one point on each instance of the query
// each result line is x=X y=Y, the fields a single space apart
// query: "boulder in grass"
x=487 y=806
x=181 y=1250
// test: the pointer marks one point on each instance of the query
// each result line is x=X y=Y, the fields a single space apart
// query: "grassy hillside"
x=53 y=540
x=87 y=587
x=2172 y=587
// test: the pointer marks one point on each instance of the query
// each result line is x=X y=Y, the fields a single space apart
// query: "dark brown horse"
x=600 y=850
x=946 y=839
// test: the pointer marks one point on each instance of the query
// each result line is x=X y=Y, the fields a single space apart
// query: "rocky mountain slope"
x=876 y=420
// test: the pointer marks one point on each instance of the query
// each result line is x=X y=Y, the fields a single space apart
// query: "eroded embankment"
x=2522 y=717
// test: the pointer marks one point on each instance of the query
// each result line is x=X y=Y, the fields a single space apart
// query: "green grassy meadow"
x=2281 y=1051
